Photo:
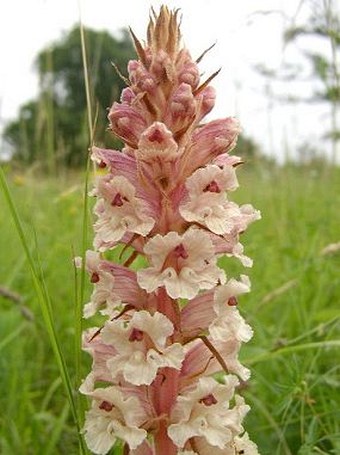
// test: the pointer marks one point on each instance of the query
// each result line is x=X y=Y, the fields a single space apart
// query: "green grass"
x=293 y=307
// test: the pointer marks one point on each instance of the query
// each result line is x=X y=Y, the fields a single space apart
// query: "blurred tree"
x=318 y=67
x=53 y=128
x=324 y=23
x=247 y=149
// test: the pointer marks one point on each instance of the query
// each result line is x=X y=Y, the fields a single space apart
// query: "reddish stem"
x=165 y=391
x=169 y=308
x=165 y=387
x=163 y=444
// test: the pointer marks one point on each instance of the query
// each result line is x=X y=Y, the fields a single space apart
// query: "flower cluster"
x=173 y=323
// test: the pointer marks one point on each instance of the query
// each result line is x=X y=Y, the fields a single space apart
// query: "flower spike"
x=171 y=316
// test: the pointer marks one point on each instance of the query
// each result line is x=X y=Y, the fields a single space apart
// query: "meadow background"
x=294 y=391
x=293 y=307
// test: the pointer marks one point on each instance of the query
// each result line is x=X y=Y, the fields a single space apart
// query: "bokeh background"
x=280 y=76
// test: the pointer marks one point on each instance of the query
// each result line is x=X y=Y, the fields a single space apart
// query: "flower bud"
x=140 y=77
x=127 y=123
x=188 y=70
x=182 y=108
x=127 y=96
x=211 y=140
x=208 y=96
x=157 y=142
x=161 y=65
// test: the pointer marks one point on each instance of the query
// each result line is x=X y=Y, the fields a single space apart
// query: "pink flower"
x=201 y=360
x=183 y=264
x=211 y=140
x=188 y=71
x=127 y=123
x=141 y=79
x=157 y=144
x=182 y=108
x=240 y=445
x=118 y=211
x=100 y=353
x=207 y=204
x=141 y=347
x=103 y=297
x=228 y=323
x=116 y=162
x=207 y=101
x=161 y=64
x=205 y=412
x=110 y=417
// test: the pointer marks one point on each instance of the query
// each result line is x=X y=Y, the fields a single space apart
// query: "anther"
x=136 y=335
x=106 y=406
x=208 y=400
x=232 y=301
x=95 y=277
x=212 y=187
x=181 y=252
x=156 y=136
x=117 y=201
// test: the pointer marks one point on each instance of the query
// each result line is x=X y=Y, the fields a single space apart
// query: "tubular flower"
x=112 y=416
x=205 y=412
x=141 y=347
x=182 y=264
x=171 y=318
x=207 y=203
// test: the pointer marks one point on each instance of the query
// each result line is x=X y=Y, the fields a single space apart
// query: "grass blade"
x=44 y=303
x=292 y=349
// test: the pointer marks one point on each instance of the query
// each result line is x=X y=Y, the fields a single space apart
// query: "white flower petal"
x=245 y=445
x=157 y=326
x=207 y=203
x=180 y=433
x=139 y=359
x=183 y=264
x=150 y=279
x=104 y=425
x=193 y=416
x=98 y=436
x=119 y=210
x=139 y=370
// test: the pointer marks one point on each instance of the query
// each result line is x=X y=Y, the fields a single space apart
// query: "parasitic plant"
x=173 y=324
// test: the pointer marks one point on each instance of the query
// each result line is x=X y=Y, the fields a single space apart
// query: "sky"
x=246 y=33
